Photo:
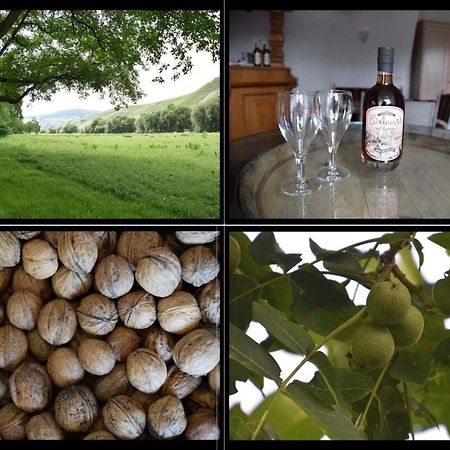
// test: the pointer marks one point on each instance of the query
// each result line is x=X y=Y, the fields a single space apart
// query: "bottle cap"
x=386 y=59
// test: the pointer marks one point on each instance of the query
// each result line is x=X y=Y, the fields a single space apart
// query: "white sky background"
x=436 y=262
x=203 y=71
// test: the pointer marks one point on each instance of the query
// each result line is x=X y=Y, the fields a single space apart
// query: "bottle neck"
x=385 y=78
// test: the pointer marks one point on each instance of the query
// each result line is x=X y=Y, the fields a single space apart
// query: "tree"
x=96 y=126
x=386 y=368
x=121 y=124
x=10 y=121
x=199 y=118
x=42 y=51
x=69 y=128
x=206 y=118
x=32 y=126
x=140 y=124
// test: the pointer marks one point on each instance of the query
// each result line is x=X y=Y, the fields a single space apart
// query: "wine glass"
x=335 y=114
x=298 y=123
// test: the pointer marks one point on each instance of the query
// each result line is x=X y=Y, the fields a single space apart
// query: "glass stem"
x=300 y=165
x=332 y=166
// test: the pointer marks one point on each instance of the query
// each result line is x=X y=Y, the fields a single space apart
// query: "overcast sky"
x=204 y=70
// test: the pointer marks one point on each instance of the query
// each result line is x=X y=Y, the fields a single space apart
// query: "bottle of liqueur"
x=383 y=118
x=257 y=55
x=266 y=55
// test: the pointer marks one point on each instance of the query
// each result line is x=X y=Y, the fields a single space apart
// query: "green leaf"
x=289 y=420
x=331 y=422
x=419 y=249
x=421 y=410
x=392 y=238
x=238 y=372
x=247 y=352
x=242 y=427
x=342 y=263
x=442 y=239
x=412 y=366
x=442 y=352
x=317 y=250
x=278 y=293
x=292 y=335
x=265 y=250
x=243 y=292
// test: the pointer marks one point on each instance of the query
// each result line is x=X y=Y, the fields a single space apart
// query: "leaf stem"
x=307 y=358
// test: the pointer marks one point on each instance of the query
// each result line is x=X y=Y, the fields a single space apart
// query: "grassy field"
x=110 y=176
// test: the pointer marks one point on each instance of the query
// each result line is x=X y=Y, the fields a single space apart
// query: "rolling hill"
x=60 y=118
x=207 y=93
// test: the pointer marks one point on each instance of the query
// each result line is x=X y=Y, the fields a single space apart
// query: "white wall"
x=438 y=16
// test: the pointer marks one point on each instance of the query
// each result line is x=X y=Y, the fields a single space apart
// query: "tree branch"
x=7 y=23
x=90 y=28
x=13 y=35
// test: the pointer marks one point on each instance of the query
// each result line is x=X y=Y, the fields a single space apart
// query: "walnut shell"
x=12 y=422
x=97 y=314
x=23 y=310
x=114 y=277
x=124 y=417
x=96 y=356
x=180 y=384
x=30 y=387
x=142 y=362
x=137 y=310
x=161 y=342
x=159 y=273
x=202 y=426
x=76 y=408
x=145 y=400
x=77 y=250
x=113 y=384
x=123 y=342
x=9 y=250
x=179 y=313
x=5 y=278
x=106 y=242
x=79 y=337
x=57 y=322
x=4 y=387
x=25 y=235
x=43 y=427
x=39 y=259
x=2 y=314
x=209 y=302
x=199 y=265
x=64 y=367
x=204 y=397
x=38 y=347
x=100 y=436
x=135 y=245
x=70 y=285
x=196 y=237
x=214 y=379
x=13 y=347
x=51 y=237
x=24 y=282
x=197 y=353
x=166 y=418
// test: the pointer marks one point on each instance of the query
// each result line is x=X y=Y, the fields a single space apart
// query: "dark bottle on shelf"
x=266 y=55
x=383 y=118
x=257 y=55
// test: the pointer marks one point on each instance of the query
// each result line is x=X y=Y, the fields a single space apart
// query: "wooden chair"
x=443 y=111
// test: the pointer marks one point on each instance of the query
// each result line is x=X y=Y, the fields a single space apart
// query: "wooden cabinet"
x=430 y=68
x=253 y=97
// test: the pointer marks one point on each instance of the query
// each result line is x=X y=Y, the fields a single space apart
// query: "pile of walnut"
x=109 y=335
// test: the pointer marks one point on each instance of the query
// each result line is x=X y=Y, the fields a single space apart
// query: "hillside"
x=207 y=93
x=60 y=118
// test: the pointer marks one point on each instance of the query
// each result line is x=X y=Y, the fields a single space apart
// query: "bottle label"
x=384 y=132
x=267 y=59
x=257 y=58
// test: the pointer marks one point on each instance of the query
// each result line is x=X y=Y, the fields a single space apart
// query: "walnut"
x=113 y=384
x=202 y=426
x=71 y=285
x=23 y=309
x=23 y=282
x=100 y=436
x=179 y=313
x=38 y=347
x=76 y=408
x=137 y=310
x=9 y=250
x=57 y=322
x=204 y=397
x=123 y=342
x=77 y=250
x=51 y=237
x=96 y=356
x=30 y=387
x=124 y=417
x=209 y=302
x=13 y=347
x=4 y=387
x=161 y=342
x=214 y=379
x=2 y=314
x=135 y=245
x=97 y=314
x=64 y=367
x=25 y=235
x=196 y=237
x=199 y=265
x=145 y=400
x=159 y=273
x=179 y=383
x=197 y=353
x=79 y=337
x=5 y=278
x=39 y=259
x=12 y=422
x=43 y=427
x=106 y=242
x=114 y=277
x=142 y=362
x=166 y=418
